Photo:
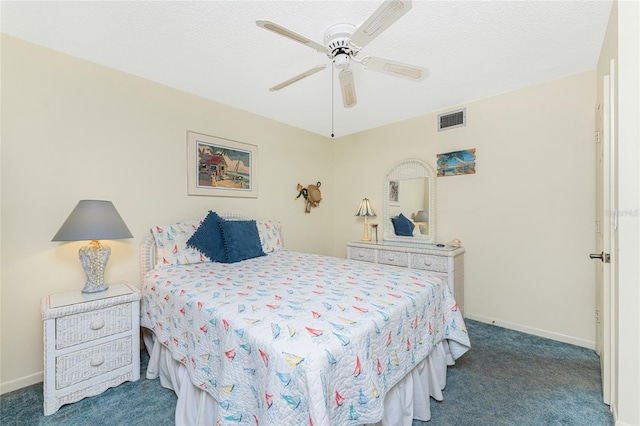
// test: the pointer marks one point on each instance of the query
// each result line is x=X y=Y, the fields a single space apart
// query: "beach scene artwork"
x=457 y=163
x=221 y=167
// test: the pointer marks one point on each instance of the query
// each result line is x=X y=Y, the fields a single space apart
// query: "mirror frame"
x=410 y=169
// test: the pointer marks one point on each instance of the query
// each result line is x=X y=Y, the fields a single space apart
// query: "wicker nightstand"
x=91 y=343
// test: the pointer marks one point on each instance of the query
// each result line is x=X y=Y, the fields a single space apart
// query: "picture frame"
x=394 y=193
x=456 y=163
x=221 y=167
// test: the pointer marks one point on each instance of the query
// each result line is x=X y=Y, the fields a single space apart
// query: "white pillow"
x=270 y=235
x=171 y=244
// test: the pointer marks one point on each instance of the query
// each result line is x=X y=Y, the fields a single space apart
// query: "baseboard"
x=535 y=331
x=616 y=422
x=22 y=382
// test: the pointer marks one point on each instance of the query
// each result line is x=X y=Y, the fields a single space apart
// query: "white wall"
x=622 y=44
x=74 y=130
x=525 y=218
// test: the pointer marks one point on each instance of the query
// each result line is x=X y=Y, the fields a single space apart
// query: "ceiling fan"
x=343 y=43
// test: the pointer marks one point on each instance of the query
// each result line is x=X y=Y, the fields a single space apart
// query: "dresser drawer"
x=429 y=263
x=87 y=326
x=91 y=362
x=364 y=254
x=393 y=258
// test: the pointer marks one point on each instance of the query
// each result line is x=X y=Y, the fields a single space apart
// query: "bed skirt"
x=407 y=400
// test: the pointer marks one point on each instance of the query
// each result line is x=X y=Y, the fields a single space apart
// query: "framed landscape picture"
x=221 y=167
x=457 y=163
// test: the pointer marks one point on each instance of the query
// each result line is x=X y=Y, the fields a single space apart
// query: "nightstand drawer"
x=91 y=362
x=87 y=326
x=429 y=263
x=364 y=254
x=393 y=258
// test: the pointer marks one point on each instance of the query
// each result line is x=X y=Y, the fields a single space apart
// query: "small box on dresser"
x=91 y=343
x=444 y=262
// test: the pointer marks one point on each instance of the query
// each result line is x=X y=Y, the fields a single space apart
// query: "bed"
x=292 y=338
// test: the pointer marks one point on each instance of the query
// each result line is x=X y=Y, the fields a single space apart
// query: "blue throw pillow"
x=208 y=238
x=241 y=240
x=402 y=226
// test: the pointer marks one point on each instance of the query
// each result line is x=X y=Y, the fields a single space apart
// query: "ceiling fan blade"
x=388 y=13
x=395 y=68
x=297 y=78
x=348 y=88
x=268 y=25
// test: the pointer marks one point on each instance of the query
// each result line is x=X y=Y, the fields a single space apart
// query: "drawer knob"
x=97 y=361
x=391 y=258
x=360 y=254
x=427 y=262
x=97 y=324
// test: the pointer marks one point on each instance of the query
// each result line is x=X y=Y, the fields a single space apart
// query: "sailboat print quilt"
x=299 y=339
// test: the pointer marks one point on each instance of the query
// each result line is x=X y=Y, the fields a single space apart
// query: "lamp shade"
x=93 y=220
x=365 y=209
x=421 y=216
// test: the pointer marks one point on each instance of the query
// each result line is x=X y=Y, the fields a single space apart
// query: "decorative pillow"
x=208 y=238
x=241 y=240
x=402 y=226
x=171 y=244
x=270 y=238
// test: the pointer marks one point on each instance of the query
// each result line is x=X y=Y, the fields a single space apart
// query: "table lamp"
x=366 y=211
x=422 y=219
x=93 y=220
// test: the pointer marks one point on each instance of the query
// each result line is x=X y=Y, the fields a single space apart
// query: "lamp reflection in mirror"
x=366 y=211
x=93 y=220
x=421 y=219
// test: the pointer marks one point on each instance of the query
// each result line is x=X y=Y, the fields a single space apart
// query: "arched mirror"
x=410 y=190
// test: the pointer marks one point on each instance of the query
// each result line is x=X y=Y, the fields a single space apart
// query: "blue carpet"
x=507 y=378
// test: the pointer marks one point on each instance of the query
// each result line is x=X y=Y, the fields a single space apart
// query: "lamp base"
x=366 y=232
x=90 y=288
x=94 y=259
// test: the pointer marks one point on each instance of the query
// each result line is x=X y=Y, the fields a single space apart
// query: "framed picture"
x=457 y=163
x=221 y=167
x=394 y=193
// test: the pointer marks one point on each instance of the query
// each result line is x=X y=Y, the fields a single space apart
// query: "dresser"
x=445 y=262
x=91 y=343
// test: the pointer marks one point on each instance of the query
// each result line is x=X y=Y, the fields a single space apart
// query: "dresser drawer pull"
x=97 y=324
x=391 y=258
x=97 y=361
x=427 y=262
x=360 y=254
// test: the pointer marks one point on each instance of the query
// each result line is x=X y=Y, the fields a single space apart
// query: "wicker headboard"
x=148 y=248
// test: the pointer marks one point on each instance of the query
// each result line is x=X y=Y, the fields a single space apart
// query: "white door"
x=606 y=216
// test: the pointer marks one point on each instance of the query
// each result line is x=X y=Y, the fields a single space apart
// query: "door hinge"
x=597 y=136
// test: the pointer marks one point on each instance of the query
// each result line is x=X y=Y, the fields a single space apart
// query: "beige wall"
x=74 y=130
x=525 y=218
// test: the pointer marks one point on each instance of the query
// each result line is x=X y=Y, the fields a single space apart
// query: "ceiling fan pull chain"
x=332 y=80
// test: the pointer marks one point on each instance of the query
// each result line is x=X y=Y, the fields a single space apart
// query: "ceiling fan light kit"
x=342 y=44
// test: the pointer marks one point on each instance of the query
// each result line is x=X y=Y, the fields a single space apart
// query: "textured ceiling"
x=473 y=49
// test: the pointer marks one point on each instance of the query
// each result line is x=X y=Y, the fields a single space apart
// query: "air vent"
x=452 y=119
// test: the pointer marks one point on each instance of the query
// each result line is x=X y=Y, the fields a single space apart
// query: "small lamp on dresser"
x=93 y=220
x=421 y=219
x=366 y=211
